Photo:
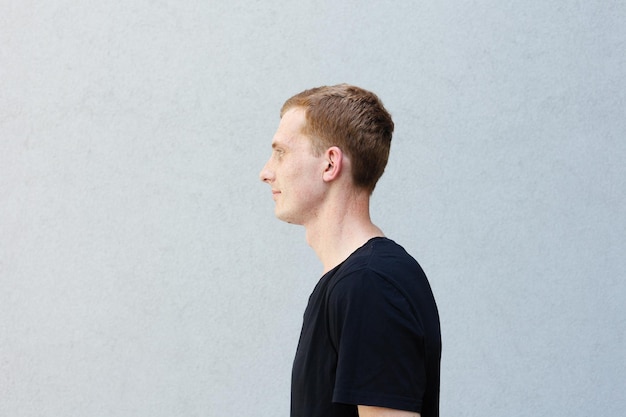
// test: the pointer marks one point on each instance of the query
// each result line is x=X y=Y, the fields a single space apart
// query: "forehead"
x=289 y=132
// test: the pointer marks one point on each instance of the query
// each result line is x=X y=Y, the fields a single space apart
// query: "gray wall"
x=142 y=272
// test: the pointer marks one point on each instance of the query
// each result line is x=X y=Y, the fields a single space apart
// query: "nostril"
x=265 y=175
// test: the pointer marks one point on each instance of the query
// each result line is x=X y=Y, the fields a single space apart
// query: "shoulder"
x=381 y=273
x=364 y=288
x=380 y=261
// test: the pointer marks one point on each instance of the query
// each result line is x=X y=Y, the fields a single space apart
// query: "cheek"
x=308 y=190
x=301 y=178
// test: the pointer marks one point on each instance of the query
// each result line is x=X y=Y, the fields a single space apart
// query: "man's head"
x=352 y=119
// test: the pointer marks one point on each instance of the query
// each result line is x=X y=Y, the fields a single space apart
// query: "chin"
x=287 y=218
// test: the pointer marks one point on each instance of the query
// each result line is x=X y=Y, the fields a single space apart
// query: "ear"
x=334 y=163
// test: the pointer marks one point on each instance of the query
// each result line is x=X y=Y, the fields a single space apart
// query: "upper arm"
x=380 y=357
x=367 y=411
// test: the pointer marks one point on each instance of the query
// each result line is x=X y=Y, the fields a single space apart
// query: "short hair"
x=352 y=119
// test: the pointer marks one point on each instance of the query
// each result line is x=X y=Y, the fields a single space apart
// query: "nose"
x=266 y=174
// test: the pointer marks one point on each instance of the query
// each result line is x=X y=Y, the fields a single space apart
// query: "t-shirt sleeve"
x=379 y=343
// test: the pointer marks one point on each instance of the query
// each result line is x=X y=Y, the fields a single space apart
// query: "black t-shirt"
x=370 y=336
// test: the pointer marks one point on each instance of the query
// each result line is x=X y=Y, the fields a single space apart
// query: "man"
x=370 y=342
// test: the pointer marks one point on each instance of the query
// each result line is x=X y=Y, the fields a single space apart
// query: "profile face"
x=293 y=171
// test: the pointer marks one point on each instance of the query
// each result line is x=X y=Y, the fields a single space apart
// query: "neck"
x=340 y=229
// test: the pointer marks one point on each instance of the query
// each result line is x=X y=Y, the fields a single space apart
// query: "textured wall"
x=142 y=272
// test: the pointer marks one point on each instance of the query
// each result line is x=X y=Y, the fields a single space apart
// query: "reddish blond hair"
x=352 y=119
